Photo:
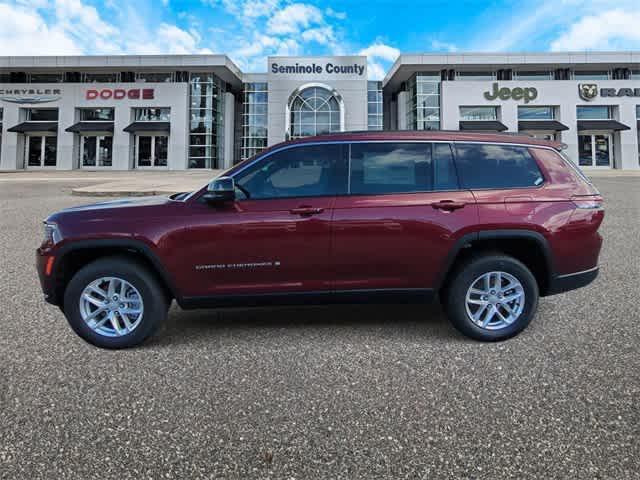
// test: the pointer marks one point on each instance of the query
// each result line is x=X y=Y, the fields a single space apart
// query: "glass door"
x=96 y=150
x=595 y=150
x=151 y=150
x=41 y=150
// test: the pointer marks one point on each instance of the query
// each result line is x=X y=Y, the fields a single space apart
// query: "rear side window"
x=496 y=166
x=379 y=168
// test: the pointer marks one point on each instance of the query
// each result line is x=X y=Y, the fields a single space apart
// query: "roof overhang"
x=542 y=125
x=482 y=126
x=612 y=125
x=91 y=127
x=408 y=64
x=148 y=127
x=221 y=65
x=26 y=127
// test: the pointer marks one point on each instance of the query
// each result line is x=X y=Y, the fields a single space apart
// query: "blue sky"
x=250 y=30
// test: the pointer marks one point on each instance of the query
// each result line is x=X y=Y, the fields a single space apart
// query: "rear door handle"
x=448 y=205
x=306 y=211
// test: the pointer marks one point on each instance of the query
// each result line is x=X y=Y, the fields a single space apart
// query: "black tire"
x=463 y=278
x=153 y=296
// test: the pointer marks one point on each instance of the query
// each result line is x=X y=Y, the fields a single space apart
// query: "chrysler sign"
x=30 y=95
x=120 y=94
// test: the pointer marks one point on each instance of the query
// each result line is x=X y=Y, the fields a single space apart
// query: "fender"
x=129 y=244
x=515 y=234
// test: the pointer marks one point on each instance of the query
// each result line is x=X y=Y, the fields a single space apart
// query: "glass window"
x=152 y=114
x=536 y=113
x=475 y=75
x=591 y=75
x=534 y=75
x=496 y=166
x=423 y=101
x=42 y=114
x=478 y=113
x=444 y=172
x=378 y=168
x=96 y=114
x=308 y=109
x=374 y=105
x=50 y=151
x=594 y=112
x=105 y=77
x=303 y=171
x=637 y=112
x=45 y=77
x=635 y=75
x=157 y=77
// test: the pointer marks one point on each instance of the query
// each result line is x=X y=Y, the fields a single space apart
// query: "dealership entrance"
x=151 y=150
x=595 y=149
x=41 y=150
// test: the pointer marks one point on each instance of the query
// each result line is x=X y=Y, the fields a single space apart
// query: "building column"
x=229 y=130
x=402 y=111
x=627 y=156
x=12 y=149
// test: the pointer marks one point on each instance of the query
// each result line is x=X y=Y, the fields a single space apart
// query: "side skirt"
x=411 y=295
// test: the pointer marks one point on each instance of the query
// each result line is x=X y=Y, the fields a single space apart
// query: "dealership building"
x=181 y=112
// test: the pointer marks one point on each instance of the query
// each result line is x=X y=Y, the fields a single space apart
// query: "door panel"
x=258 y=246
x=396 y=241
x=602 y=150
x=34 y=151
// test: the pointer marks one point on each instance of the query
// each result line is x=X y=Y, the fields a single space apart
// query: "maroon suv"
x=487 y=223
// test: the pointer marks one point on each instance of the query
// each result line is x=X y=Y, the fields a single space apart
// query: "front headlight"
x=51 y=233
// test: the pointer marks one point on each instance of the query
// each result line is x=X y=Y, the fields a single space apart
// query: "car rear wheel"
x=115 y=303
x=492 y=297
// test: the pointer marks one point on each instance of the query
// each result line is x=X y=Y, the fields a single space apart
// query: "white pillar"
x=402 y=111
x=229 y=130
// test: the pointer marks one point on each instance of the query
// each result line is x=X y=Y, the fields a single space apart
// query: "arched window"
x=314 y=110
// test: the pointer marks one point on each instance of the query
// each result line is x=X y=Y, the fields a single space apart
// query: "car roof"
x=424 y=135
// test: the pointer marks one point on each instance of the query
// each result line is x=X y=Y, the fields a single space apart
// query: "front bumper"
x=571 y=281
x=47 y=282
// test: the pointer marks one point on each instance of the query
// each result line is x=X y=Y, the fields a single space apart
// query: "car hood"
x=103 y=209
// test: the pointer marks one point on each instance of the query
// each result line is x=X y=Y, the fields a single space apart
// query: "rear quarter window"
x=486 y=166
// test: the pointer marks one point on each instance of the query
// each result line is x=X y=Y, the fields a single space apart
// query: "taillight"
x=588 y=202
x=48 y=269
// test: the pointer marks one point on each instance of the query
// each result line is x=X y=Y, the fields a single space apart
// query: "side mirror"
x=220 y=190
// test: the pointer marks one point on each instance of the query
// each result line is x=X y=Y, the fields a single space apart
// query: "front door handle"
x=306 y=211
x=448 y=205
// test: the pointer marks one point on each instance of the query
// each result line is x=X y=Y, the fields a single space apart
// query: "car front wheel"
x=492 y=297
x=115 y=303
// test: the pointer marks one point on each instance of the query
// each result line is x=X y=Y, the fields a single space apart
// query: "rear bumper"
x=571 y=281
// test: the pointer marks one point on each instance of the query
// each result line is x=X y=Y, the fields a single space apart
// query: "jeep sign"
x=517 y=93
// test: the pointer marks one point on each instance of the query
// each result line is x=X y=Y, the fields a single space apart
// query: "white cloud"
x=321 y=35
x=380 y=50
x=25 y=32
x=332 y=13
x=613 y=29
x=379 y=58
x=293 y=18
x=439 y=46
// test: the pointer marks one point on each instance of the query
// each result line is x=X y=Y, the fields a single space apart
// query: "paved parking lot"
x=322 y=392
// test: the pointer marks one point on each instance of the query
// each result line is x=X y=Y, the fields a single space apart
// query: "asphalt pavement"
x=327 y=392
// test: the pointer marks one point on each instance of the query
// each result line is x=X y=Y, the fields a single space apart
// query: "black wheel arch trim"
x=498 y=234
x=130 y=244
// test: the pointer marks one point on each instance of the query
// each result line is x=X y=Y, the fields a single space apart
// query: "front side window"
x=381 y=168
x=478 y=113
x=536 y=113
x=152 y=114
x=42 y=114
x=304 y=171
x=486 y=166
x=97 y=114
x=594 y=112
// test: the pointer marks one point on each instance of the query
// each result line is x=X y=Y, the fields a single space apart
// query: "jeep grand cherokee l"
x=486 y=223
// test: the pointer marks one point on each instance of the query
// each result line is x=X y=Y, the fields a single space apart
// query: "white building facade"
x=200 y=111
